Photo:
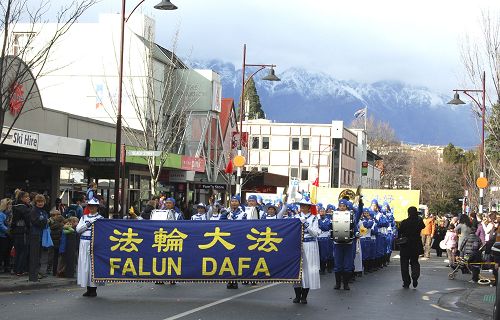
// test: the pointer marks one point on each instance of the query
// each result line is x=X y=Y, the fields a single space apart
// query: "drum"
x=342 y=226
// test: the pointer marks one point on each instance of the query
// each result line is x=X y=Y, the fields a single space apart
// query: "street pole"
x=119 y=166
x=483 y=114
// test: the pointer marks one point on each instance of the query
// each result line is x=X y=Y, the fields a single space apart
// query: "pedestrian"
x=470 y=252
x=462 y=229
x=427 y=234
x=310 y=252
x=20 y=231
x=74 y=209
x=56 y=223
x=480 y=228
x=439 y=235
x=450 y=241
x=5 y=241
x=84 y=228
x=38 y=222
x=411 y=247
x=59 y=206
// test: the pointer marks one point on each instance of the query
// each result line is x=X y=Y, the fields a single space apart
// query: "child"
x=68 y=229
x=450 y=240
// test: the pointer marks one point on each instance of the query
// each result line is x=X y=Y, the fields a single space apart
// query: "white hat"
x=93 y=201
x=305 y=201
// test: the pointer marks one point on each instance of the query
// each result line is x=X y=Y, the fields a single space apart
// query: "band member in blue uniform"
x=391 y=229
x=217 y=212
x=84 y=228
x=325 y=242
x=201 y=213
x=271 y=212
x=310 y=252
x=343 y=251
x=236 y=212
x=381 y=240
x=366 y=225
x=252 y=208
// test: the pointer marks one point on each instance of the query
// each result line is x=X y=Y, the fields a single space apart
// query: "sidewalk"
x=10 y=282
x=481 y=299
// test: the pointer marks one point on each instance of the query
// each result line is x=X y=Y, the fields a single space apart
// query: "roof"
x=173 y=57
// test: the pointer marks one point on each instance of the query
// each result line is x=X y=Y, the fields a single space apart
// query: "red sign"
x=193 y=164
x=235 y=141
x=364 y=164
x=16 y=99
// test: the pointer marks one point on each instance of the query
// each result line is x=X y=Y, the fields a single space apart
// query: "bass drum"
x=342 y=226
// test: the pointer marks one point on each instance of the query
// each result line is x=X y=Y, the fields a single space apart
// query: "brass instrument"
x=351 y=195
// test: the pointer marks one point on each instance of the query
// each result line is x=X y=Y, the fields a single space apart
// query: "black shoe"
x=338 y=280
x=87 y=293
x=93 y=292
x=298 y=293
x=406 y=285
x=415 y=283
x=346 y=277
x=303 y=297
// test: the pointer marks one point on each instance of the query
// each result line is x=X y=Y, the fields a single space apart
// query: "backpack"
x=71 y=211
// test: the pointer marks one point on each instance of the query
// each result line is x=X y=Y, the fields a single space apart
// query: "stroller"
x=468 y=267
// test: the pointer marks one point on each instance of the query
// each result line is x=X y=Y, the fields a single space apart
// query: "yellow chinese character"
x=266 y=243
x=127 y=242
x=217 y=237
x=172 y=241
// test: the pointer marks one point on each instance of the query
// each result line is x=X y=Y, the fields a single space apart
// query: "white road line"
x=425 y=298
x=180 y=315
x=440 y=308
x=432 y=292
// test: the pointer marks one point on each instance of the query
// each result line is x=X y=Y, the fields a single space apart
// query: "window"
x=295 y=143
x=305 y=143
x=304 y=174
x=22 y=43
x=255 y=142
x=265 y=169
x=294 y=172
x=265 y=143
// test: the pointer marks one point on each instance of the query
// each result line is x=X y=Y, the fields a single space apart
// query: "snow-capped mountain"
x=418 y=114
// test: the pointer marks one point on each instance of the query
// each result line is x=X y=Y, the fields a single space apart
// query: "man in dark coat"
x=410 y=229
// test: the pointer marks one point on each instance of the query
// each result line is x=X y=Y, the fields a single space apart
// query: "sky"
x=417 y=42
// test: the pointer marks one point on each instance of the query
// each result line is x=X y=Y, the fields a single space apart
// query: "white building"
x=307 y=151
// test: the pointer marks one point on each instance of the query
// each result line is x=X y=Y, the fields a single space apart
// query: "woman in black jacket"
x=20 y=231
x=438 y=237
x=38 y=219
x=410 y=250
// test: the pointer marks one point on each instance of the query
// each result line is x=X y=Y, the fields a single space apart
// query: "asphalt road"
x=375 y=296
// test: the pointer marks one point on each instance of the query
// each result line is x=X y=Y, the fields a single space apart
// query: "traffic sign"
x=482 y=182
x=143 y=153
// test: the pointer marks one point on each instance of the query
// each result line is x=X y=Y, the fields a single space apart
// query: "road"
x=375 y=296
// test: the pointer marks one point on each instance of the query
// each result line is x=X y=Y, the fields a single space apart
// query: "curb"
x=37 y=285
x=463 y=302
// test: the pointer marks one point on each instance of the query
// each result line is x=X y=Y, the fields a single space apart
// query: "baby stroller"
x=467 y=267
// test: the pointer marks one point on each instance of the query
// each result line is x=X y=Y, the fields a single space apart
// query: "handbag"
x=401 y=241
x=46 y=238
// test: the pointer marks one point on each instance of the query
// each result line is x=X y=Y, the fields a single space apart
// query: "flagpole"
x=366 y=115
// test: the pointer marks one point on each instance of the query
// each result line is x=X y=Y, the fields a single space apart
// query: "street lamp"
x=482 y=106
x=163 y=5
x=270 y=77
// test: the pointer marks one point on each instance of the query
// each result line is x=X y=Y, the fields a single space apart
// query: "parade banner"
x=145 y=250
x=399 y=200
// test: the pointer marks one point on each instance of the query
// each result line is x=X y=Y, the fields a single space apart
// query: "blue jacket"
x=4 y=228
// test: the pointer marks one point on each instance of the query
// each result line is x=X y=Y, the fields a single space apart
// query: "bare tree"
x=484 y=55
x=161 y=99
x=24 y=53
x=380 y=134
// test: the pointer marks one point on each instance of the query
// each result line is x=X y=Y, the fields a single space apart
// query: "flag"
x=229 y=167
x=314 y=196
x=360 y=113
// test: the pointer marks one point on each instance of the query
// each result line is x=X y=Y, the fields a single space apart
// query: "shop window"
x=255 y=142
x=265 y=143
x=295 y=143
x=305 y=143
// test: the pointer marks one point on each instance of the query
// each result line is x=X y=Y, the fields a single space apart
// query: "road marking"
x=180 y=315
x=440 y=308
x=432 y=292
x=425 y=298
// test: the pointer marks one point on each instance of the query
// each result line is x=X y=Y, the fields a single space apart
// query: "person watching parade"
x=411 y=248
x=84 y=228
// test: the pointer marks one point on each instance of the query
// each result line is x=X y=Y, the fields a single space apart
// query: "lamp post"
x=270 y=77
x=482 y=106
x=163 y=5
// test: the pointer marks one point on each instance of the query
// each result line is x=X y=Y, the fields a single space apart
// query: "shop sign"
x=193 y=164
x=20 y=138
x=208 y=186
x=180 y=176
x=263 y=189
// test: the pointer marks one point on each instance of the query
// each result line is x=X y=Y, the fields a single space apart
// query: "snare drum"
x=342 y=226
